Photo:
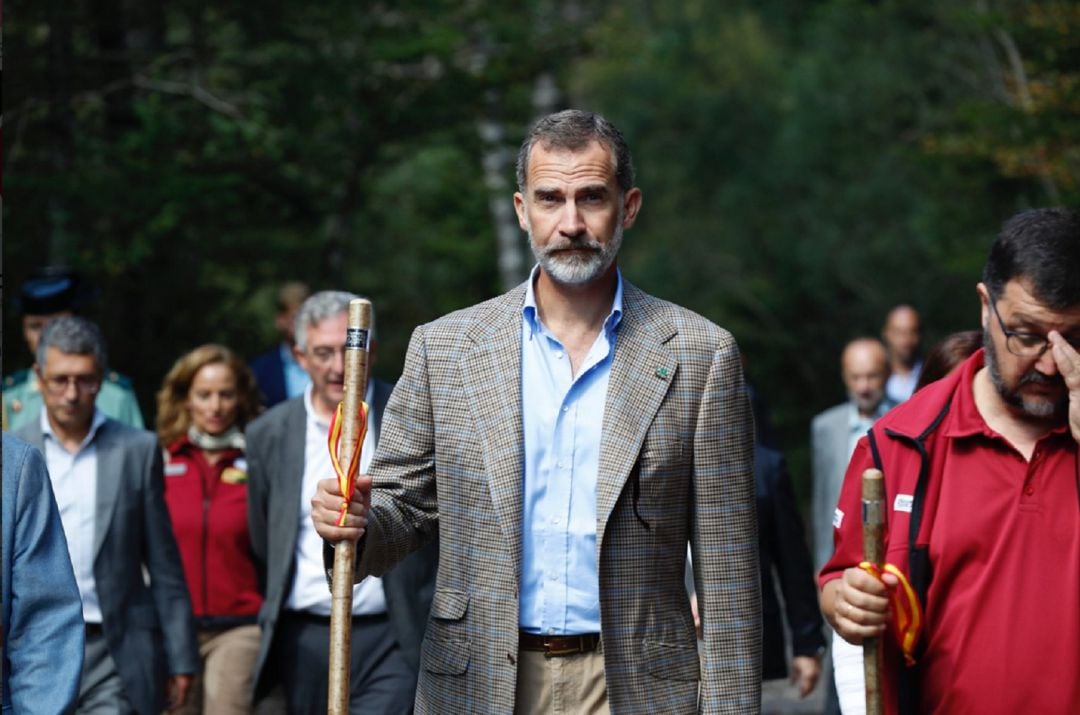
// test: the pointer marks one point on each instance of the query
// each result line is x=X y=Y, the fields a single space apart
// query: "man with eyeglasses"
x=287 y=454
x=983 y=500
x=140 y=651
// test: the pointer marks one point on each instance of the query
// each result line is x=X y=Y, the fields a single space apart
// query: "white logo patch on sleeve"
x=837 y=519
x=903 y=502
x=175 y=469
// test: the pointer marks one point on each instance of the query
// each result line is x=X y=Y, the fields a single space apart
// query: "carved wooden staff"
x=356 y=368
x=873 y=524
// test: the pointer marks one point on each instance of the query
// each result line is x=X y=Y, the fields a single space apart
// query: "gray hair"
x=324 y=304
x=73 y=336
x=574 y=129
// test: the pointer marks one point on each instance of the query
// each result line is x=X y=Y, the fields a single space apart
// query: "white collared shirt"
x=74 y=478
x=310 y=591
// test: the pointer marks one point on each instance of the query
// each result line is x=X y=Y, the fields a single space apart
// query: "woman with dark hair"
x=204 y=403
x=947 y=354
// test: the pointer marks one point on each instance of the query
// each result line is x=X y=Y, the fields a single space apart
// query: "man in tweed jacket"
x=494 y=442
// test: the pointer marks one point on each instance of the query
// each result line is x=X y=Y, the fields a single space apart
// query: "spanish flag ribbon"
x=907 y=613
x=346 y=477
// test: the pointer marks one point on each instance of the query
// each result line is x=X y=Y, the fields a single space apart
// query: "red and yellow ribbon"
x=907 y=613
x=346 y=477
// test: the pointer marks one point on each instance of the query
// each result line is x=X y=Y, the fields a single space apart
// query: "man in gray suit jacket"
x=864 y=368
x=567 y=440
x=140 y=653
x=287 y=452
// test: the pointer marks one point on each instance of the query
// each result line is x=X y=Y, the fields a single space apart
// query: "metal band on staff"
x=873 y=524
x=356 y=377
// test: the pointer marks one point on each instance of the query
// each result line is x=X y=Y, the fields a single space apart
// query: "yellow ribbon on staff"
x=346 y=477
x=907 y=613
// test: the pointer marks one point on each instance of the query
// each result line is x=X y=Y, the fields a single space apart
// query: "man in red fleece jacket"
x=983 y=500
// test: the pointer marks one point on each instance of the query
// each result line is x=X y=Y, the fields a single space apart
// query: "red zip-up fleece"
x=992 y=541
x=208 y=506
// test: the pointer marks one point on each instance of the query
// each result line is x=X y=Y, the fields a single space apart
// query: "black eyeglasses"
x=1026 y=345
x=58 y=384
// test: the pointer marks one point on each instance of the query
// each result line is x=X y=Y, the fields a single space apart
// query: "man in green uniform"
x=51 y=293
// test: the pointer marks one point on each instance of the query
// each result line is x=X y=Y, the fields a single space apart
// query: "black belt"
x=558 y=646
x=94 y=629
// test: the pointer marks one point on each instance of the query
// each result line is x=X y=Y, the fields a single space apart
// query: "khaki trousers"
x=224 y=686
x=566 y=685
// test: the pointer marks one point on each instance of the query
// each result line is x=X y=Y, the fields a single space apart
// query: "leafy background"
x=805 y=166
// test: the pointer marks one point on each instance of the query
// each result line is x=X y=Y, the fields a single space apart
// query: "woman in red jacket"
x=204 y=403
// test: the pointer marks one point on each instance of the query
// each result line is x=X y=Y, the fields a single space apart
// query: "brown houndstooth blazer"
x=675 y=466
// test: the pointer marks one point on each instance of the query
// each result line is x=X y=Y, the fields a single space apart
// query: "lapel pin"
x=662 y=372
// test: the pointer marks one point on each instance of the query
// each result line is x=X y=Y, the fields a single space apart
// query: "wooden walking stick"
x=873 y=524
x=353 y=418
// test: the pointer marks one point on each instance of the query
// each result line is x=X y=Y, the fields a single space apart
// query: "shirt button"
x=558 y=356
x=552 y=577
x=555 y=520
x=1029 y=490
x=566 y=408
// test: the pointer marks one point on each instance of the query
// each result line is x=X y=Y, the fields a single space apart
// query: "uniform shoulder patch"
x=116 y=378
x=17 y=377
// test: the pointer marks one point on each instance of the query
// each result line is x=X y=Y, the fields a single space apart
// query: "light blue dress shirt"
x=296 y=380
x=563 y=417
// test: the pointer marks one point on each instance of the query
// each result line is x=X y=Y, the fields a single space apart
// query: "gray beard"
x=578 y=270
x=1041 y=410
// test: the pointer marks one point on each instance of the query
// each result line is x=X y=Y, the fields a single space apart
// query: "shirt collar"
x=95 y=424
x=858 y=422
x=287 y=356
x=313 y=416
x=531 y=316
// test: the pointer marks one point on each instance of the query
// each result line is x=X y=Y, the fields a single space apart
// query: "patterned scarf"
x=231 y=438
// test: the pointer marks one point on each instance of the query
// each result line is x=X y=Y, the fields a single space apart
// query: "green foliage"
x=805 y=165
x=795 y=186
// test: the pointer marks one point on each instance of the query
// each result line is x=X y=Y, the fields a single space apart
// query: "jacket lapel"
x=293 y=443
x=110 y=474
x=491 y=379
x=641 y=373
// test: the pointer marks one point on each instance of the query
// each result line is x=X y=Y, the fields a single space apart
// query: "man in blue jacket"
x=42 y=610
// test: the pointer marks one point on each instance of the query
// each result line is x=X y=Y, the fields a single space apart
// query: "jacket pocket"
x=446 y=646
x=671 y=662
x=449 y=605
x=445 y=657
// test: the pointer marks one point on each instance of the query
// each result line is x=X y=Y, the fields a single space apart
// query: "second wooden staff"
x=356 y=369
x=873 y=521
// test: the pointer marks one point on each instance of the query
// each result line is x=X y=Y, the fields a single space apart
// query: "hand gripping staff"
x=346 y=441
x=873 y=529
x=906 y=620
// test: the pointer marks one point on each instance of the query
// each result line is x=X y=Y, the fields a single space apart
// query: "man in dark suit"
x=276 y=371
x=784 y=553
x=287 y=453
x=140 y=653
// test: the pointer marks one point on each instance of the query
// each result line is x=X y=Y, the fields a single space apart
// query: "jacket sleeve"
x=167 y=581
x=724 y=541
x=43 y=647
x=792 y=559
x=258 y=494
x=404 y=504
x=847 y=523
